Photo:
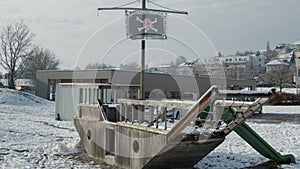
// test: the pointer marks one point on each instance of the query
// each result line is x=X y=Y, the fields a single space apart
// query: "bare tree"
x=180 y=59
x=280 y=77
x=130 y=66
x=15 y=47
x=40 y=59
x=98 y=66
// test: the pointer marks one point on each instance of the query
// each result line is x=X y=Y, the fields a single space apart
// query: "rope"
x=127 y=4
x=162 y=6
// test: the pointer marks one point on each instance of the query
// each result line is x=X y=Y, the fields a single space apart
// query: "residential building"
x=232 y=67
x=297 y=45
x=276 y=64
x=21 y=84
x=284 y=48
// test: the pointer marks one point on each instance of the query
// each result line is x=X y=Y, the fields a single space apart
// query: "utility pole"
x=142 y=73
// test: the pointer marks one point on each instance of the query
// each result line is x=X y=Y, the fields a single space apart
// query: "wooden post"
x=173 y=109
x=157 y=111
x=151 y=112
x=132 y=113
x=126 y=112
x=121 y=111
x=165 y=118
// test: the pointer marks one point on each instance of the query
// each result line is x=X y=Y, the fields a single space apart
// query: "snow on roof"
x=161 y=66
x=297 y=42
x=186 y=64
x=249 y=92
x=277 y=62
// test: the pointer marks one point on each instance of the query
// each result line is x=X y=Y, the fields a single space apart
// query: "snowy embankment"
x=29 y=135
x=31 y=138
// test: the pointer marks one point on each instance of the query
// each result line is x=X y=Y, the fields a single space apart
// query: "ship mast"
x=141 y=94
x=142 y=73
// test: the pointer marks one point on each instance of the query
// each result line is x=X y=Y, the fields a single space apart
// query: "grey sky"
x=74 y=32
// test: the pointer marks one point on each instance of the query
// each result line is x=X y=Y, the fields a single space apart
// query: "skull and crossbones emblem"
x=147 y=24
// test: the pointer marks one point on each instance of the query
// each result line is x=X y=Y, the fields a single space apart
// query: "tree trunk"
x=11 y=82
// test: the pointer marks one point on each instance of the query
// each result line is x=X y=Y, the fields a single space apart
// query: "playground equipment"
x=128 y=135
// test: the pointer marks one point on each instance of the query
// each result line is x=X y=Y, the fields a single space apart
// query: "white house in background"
x=185 y=68
x=286 y=57
x=235 y=67
x=181 y=69
x=284 y=48
x=159 y=68
x=276 y=64
x=297 y=45
x=21 y=83
x=210 y=66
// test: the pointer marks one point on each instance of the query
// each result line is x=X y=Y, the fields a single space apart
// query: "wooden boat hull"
x=130 y=146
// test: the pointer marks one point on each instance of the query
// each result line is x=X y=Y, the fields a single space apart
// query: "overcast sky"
x=78 y=36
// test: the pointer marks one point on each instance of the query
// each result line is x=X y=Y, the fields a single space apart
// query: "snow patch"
x=281 y=109
x=14 y=97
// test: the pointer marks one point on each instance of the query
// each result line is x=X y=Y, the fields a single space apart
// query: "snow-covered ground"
x=286 y=90
x=281 y=109
x=31 y=138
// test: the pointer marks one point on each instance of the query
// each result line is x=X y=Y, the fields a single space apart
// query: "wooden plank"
x=157 y=114
x=246 y=114
x=163 y=103
x=198 y=107
x=150 y=114
x=126 y=112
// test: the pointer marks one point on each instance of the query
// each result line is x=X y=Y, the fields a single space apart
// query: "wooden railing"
x=150 y=113
x=138 y=111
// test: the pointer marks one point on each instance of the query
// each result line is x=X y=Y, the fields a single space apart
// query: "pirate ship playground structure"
x=129 y=136
x=141 y=133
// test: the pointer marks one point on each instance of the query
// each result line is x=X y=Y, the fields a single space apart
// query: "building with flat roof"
x=173 y=86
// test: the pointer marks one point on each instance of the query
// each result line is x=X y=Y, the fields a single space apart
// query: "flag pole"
x=142 y=72
x=297 y=73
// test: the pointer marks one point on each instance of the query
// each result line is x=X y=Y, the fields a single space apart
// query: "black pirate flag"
x=146 y=25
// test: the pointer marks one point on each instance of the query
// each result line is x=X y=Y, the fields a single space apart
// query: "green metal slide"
x=252 y=138
x=261 y=146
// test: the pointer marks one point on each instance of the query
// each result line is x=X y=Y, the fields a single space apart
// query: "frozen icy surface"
x=31 y=138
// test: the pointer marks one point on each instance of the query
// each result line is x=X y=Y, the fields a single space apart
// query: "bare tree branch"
x=40 y=59
x=280 y=76
x=15 y=47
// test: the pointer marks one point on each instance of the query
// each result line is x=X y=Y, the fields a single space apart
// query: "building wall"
x=170 y=84
x=45 y=77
